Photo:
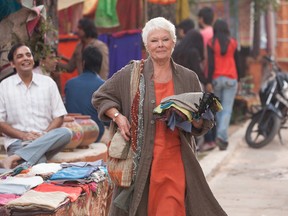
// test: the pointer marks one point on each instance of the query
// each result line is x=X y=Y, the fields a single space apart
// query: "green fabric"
x=106 y=14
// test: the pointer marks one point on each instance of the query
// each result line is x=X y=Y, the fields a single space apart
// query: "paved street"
x=250 y=182
x=246 y=181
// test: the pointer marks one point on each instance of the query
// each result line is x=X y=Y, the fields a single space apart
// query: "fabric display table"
x=54 y=189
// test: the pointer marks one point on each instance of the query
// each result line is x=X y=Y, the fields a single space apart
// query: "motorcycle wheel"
x=260 y=132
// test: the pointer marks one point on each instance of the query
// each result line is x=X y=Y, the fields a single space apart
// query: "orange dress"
x=167 y=181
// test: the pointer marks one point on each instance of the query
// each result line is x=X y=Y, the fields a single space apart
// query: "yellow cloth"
x=182 y=10
x=159 y=110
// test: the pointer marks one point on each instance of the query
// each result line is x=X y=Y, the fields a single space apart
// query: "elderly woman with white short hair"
x=169 y=179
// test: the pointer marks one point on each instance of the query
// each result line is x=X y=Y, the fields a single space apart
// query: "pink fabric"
x=33 y=22
x=5 y=198
x=207 y=34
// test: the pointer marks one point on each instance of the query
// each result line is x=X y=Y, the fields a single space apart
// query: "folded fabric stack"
x=180 y=110
x=44 y=188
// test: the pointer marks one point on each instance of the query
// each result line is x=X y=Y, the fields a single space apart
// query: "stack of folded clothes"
x=46 y=187
x=180 y=110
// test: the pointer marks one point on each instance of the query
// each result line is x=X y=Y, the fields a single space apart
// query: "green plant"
x=38 y=42
x=264 y=5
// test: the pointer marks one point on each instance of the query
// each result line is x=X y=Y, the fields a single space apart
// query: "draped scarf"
x=137 y=93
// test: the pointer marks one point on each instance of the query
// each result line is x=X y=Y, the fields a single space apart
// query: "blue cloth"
x=166 y=105
x=176 y=121
x=73 y=173
x=78 y=93
x=123 y=47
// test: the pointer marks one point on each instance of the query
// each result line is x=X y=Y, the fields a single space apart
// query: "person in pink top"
x=205 y=21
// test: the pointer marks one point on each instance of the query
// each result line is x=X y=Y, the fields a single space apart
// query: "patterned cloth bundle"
x=180 y=110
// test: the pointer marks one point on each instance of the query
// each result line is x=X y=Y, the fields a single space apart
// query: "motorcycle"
x=272 y=114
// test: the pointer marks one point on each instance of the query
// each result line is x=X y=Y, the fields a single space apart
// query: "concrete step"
x=95 y=151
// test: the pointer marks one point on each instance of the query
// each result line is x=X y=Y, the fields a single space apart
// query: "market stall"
x=80 y=188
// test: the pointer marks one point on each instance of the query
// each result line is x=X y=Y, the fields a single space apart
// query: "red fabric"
x=167 y=181
x=162 y=1
x=129 y=14
x=66 y=47
x=73 y=192
x=124 y=32
x=87 y=188
x=224 y=65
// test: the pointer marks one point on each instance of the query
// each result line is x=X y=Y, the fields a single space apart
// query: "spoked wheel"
x=262 y=131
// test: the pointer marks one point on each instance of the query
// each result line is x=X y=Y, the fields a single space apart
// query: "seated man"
x=31 y=112
x=79 y=90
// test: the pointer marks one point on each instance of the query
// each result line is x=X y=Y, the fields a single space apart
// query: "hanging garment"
x=182 y=10
x=124 y=46
x=167 y=11
x=68 y=18
x=130 y=13
x=106 y=14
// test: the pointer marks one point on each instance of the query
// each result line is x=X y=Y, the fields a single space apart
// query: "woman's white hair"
x=155 y=24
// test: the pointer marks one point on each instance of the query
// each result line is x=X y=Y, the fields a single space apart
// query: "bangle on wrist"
x=115 y=116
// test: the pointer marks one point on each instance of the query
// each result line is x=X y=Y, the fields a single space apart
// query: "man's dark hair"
x=13 y=50
x=207 y=14
x=88 y=26
x=92 y=59
x=186 y=25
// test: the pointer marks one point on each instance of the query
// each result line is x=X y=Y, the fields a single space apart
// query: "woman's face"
x=160 y=45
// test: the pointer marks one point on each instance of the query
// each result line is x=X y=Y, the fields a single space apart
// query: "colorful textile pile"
x=24 y=189
x=180 y=110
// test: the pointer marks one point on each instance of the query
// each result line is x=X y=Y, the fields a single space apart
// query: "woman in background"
x=190 y=53
x=223 y=70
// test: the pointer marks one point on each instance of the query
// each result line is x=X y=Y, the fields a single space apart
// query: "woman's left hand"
x=197 y=123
